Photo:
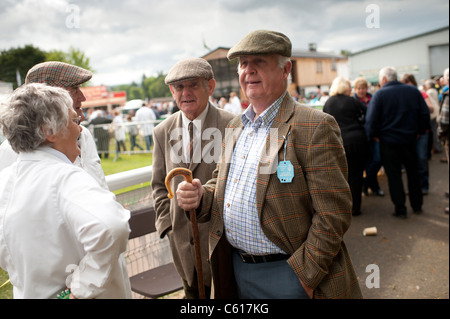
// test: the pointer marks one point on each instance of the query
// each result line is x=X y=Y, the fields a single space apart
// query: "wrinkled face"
x=192 y=95
x=77 y=97
x=262 y=79
x=67 y=142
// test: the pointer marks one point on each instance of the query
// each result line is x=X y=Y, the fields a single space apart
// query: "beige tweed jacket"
x=170 y=219
x=306 y=218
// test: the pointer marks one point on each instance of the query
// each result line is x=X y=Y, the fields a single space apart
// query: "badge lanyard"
x=285 y=170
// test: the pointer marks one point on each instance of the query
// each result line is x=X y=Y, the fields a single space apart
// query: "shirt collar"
x=56 y=153
x=198 y=121
x=265 y=118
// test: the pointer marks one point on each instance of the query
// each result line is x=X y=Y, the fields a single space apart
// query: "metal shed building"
x=425 y=55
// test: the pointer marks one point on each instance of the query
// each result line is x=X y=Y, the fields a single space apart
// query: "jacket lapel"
x=175 y=143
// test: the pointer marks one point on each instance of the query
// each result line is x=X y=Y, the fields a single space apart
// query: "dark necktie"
x=191 y=140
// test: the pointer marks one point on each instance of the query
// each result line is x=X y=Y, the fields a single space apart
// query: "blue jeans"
x=422 y=161
x=268 y=280
x=373 y=166
x=148 y=141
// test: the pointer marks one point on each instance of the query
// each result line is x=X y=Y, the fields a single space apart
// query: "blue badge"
x=285 y=172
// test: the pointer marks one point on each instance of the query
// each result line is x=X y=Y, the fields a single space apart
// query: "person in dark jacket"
x=349 y=115
x=101 y=133
x=397 y=116
x=360 y=86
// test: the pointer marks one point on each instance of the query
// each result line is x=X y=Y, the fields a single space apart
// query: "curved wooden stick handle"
x=187 y=174
x=175 y=172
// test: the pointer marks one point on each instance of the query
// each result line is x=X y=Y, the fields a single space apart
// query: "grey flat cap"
x=188 y=69
x=261 y=42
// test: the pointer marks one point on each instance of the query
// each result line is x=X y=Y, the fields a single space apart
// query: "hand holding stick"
x=187 y=174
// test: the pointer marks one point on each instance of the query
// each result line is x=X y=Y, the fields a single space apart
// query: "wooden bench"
x=159 y=281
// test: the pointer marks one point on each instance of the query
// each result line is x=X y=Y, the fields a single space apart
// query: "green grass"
x=125 y=162
x=5 y=291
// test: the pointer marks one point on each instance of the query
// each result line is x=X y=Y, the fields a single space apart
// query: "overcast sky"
x=126 y=39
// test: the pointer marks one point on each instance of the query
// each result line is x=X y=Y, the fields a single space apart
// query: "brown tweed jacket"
x=170 y=219
x=306 y=218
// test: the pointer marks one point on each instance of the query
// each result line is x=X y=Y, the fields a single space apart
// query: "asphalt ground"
x=407 y=258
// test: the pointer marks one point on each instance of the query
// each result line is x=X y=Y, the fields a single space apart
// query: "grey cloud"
x=150 y=36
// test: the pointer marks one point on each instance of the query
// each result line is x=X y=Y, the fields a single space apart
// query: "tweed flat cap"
x=190 y=68
x=261 y=42
x=58 y=74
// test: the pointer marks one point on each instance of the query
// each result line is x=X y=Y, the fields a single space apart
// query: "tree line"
x=15 y=63
x=150 y=87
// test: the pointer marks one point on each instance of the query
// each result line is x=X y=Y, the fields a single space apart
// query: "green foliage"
x=22 y=59
x=152 y=87
x=156 y=87
x=345 y=52
x=135 y=92
x=73 y=56
x=19 y=60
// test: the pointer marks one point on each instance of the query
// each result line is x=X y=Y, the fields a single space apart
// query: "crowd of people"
x=138 y=124
x=398 y=127
x=264 y=233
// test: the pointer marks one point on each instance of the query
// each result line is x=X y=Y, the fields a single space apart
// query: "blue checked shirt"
x=242 y=226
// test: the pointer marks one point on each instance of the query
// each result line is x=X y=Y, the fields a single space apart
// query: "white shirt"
x=119 y=128
x=198 y=122
x=7 y=155
x=55 y=219
x=89 y=160
x=145 y=114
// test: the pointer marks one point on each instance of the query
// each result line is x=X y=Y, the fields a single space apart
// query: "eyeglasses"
x=77 y=120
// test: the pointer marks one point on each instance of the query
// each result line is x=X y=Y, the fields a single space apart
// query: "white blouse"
x=59 y=228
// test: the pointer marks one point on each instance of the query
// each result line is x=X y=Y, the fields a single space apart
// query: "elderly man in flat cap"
x=69 y=77
x=276 y=233
x=191 y=82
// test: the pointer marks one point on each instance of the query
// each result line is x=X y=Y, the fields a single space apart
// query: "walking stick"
x=187 y=174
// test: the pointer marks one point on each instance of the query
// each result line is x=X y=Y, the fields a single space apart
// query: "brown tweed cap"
x=58 y=74
x=188 y=69
x=261 y=42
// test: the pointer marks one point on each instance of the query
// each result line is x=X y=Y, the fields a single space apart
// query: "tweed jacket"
x=170 y=219
x=306 y=218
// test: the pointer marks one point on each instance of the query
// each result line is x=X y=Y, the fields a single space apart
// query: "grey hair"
x=31 y=112
x=429 y=84
x=389 y=72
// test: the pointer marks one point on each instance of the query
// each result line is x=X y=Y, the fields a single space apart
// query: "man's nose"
x=81 y=96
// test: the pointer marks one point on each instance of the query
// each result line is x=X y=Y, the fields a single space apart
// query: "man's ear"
x=287 y=69
x=211 y=86
x=172 y=90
